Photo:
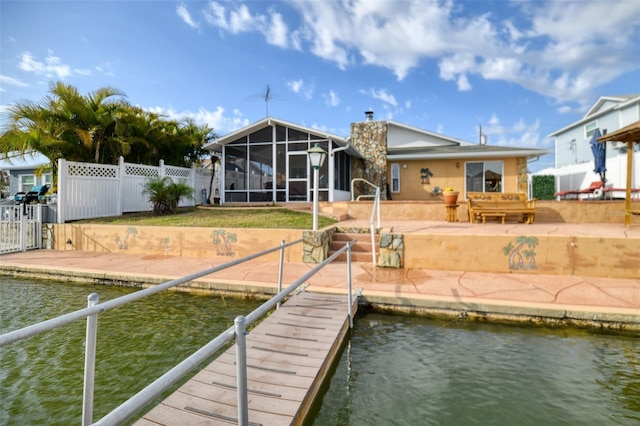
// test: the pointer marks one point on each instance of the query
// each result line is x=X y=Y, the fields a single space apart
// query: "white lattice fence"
x=135 y=176
x=88 y=190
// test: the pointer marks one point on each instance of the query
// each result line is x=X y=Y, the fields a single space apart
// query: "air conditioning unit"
x=620 y=146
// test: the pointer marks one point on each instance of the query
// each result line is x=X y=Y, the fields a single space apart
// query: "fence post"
x=23 y=226
x=161 y=167
x=122 y=171
x=241 y=370
x=90 y=362
x=62 y=171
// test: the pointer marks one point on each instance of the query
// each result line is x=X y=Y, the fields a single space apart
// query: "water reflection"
x=409 y=371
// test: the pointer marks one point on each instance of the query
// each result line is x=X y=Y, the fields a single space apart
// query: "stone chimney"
x=370 y=138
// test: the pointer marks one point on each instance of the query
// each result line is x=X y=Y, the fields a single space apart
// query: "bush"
x=165 y=194
x=543 y=187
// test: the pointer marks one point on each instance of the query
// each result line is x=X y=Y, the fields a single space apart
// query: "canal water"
x=395 y=370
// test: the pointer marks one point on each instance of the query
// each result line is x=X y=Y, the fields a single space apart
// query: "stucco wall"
x=451 y=173
x=227 y=244
x=546 y=211
x=543 y=254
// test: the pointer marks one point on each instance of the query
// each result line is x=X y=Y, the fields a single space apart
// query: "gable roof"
x=596 y=110
x=216 y=145
x=606 y=99
x=448 y=140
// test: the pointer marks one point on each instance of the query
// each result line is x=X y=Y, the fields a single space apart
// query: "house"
x=25 y=171
x=574 y=161
x=267 y=161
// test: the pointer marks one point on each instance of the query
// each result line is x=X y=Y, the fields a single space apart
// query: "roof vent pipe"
x=368 y=115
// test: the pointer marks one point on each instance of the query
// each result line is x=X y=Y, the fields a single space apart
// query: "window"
x=590 y=128
x=395 y=177
x=484 y=176
x=26 y=183
x=46 y=179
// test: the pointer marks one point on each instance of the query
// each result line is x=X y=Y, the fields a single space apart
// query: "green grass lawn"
x=223 y=217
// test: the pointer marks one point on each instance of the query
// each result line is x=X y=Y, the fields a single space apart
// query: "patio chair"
x=592 y=188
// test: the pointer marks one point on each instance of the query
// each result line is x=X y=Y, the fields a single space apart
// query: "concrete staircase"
x=360 y=251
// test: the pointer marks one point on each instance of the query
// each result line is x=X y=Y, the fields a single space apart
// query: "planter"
x=450 y=197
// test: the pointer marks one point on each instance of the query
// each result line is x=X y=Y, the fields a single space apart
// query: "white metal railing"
x=20 y=227
x=375 y=210
x=123 y=412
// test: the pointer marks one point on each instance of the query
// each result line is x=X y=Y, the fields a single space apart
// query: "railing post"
x=349 y=301
x=280 y=270
x=241 y=370
x=90 y=362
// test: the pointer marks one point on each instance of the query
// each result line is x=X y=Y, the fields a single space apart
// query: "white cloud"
x=217 y=120
x=520 y=134
x=463 y=83
x=380 y=94
x=331 y=99
x=52 y=65
x=9 y=81
x=237 y=18
x=276 y=31
x=300 y=87
x=184 y=14
x=561 y=49
x=82 y=71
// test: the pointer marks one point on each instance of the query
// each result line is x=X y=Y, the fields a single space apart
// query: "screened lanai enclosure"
x=268 y=162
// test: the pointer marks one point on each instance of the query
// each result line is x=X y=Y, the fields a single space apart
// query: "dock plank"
x=288 y=356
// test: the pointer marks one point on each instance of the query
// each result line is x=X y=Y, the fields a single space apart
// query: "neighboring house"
x=574 y=162
x=267 y=161
x=25 y=171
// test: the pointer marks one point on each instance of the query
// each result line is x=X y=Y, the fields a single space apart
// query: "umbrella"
x=599 y=155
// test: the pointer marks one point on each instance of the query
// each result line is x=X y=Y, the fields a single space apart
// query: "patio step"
x=360 y=250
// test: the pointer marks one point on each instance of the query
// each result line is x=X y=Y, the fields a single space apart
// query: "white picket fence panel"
x=89 y=190
x=20 y=227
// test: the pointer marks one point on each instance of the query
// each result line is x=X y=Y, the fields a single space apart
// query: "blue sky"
x=520 y=69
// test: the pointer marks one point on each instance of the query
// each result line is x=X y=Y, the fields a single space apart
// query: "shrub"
x=543 y=187
x=165 y=194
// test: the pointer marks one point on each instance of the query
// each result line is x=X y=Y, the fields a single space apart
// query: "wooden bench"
x=495 y=204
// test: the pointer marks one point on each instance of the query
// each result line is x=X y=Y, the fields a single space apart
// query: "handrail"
x=375 y=209
x=149 y=393
x=52 y=323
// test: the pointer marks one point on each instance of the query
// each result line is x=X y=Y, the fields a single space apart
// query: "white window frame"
x=395 y=178
x=590 y=128
x=21 y=182
x=46 y=179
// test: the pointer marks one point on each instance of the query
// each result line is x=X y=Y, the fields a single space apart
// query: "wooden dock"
x=288 y=356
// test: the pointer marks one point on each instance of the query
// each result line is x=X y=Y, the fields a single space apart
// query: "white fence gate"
x=20 y=227
x=89 y=190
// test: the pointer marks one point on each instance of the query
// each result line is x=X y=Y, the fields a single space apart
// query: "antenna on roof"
x=267 y=98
